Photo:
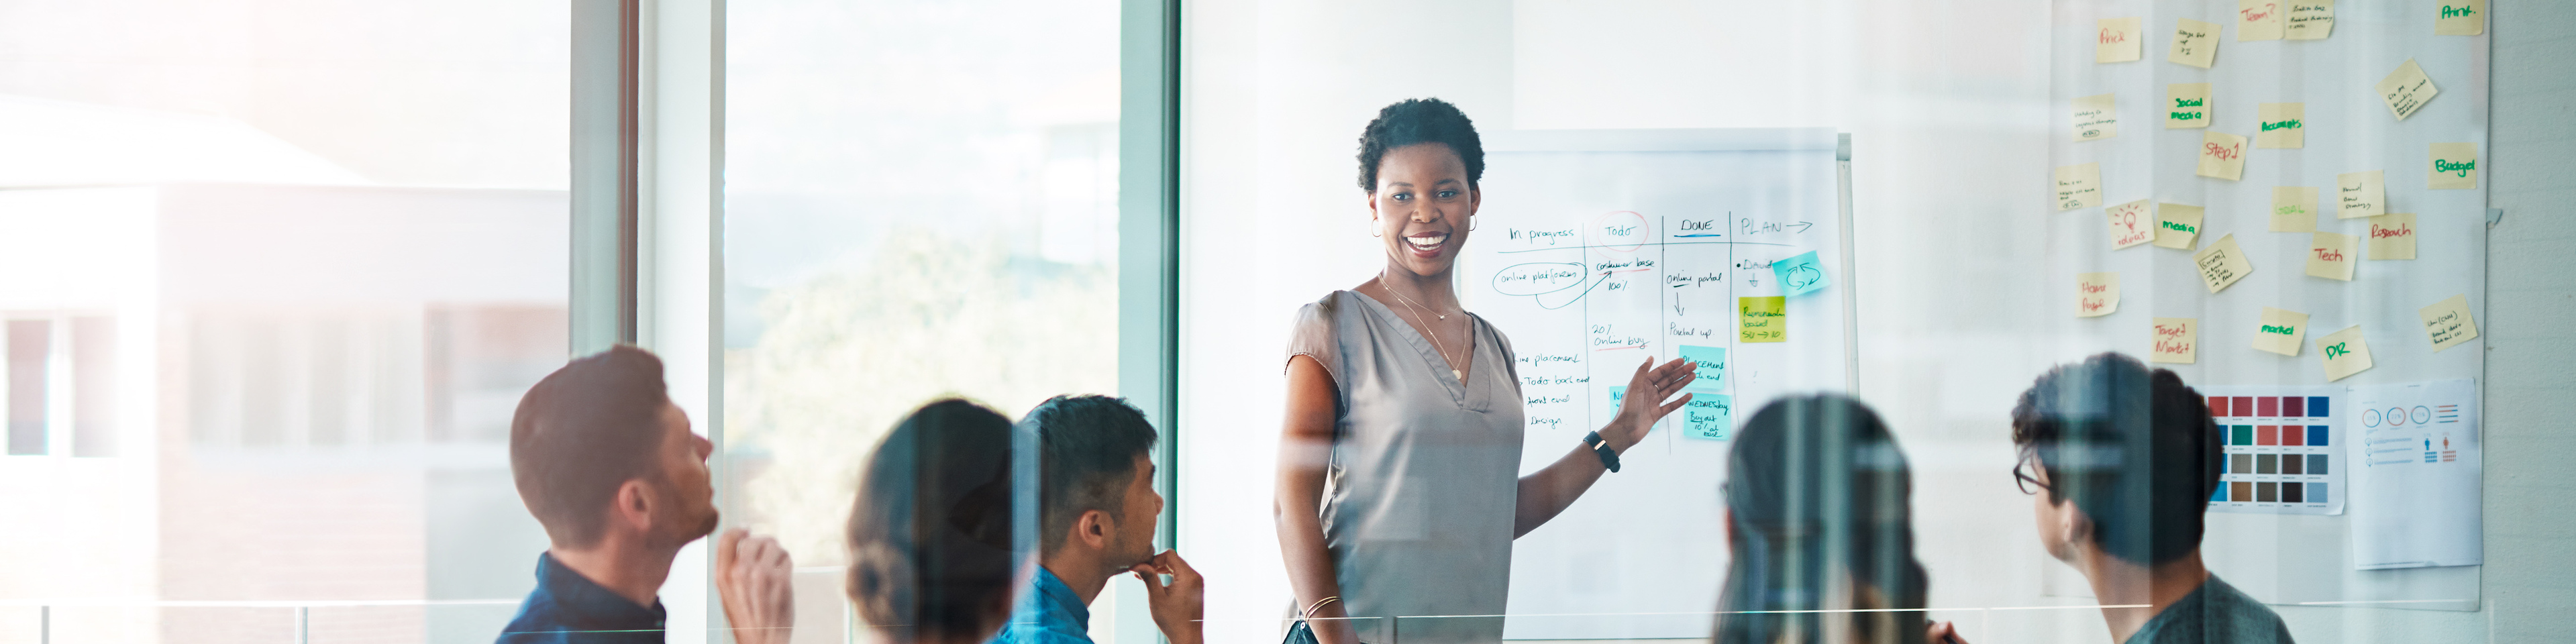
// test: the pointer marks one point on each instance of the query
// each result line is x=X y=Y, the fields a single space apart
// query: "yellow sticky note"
x=2120 y=40
x=2221 y=264
x=2360 y=194
x=2096 y=118
x=2294 y=209
x=2258 y=20
x=2283 y=125
x=2176 y=340
x=2330 y=255
x=2454 y=166
x=2392 y=236
x=2195 y=43
x=2309 y=20
x=2280 y=331
x=2344 y=353
x=2131 y=224
x=2079 y=186
x=2406 y=89
x=2177 y=225
x=2460 y=18
x=2222 y=155
x=1766 y=319
x=2448 y=322
x=2189 y=103
x=2096 y=294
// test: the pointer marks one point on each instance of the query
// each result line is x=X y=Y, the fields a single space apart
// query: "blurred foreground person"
x=609 y=467
x=1819 y=517
x=1098 y=510
x=930 y=535
x=2128 y=457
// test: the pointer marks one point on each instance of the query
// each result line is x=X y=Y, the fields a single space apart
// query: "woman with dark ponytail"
x=1819 y=518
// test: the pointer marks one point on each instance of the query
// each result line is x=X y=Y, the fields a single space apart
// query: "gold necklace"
x=1417 y=315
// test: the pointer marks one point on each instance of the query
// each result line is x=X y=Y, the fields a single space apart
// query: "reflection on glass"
x=921 y=201
x=271 y=275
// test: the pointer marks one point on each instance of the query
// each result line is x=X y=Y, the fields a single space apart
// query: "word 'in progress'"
x=2221 y=264
x=1709 y=363
x=2330 y=255
x=2310 y=20
x=2344 y=353
x=2406 y=90
x=2360 y=194
x=2392 y=236
x=2177 y=225
x=2079 y=186
x=2282 y=125
x=2189 y=103
x=2281 y=331
x=2454 y=167
x=2448 y=323
x=2294 y=209
x=2131 y=224
x=2177 y=340
x=2096 y=294
x=2460 y=18
x=2096 y=117
x=2121 y=40
x=1766 y=319
x=2222 y=155
x=2195 y=43
x=2258 y=20
x=1800 y=275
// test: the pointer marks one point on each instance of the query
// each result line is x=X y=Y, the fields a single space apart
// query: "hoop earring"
x=1471 y=222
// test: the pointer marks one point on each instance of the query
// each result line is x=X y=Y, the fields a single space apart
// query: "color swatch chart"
x=2284 y=450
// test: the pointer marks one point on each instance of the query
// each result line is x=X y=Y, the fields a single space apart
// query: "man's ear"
x=2074 y=526
x=634 y=506
x=1094 y=529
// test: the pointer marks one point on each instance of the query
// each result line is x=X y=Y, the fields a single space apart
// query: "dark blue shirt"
x=1048 y=614
x=567 y=608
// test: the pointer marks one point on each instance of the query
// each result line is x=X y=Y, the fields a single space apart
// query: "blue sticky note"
x=1617 y=393
x=1800 y=275
x=1710 y=415
x=1710 y=362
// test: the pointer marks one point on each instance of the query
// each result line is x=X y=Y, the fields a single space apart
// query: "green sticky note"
x=1709 y=415
x=1766 y=319
x=1709 y=363
x=1800 y=275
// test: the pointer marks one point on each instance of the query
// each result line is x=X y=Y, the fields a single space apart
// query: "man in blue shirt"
x=1097 y=510
x=2121 y=460
x=609 y=467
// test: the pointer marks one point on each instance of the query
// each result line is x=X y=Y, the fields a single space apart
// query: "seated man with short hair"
x=1097 y=509
x=2127 y=458
x=609 y=467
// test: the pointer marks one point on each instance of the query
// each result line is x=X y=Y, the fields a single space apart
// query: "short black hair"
x=1420 y=120
x=2134 y=447
x=930 y=533
x=1803 y=470
x=581 y=433
x=1087 y=449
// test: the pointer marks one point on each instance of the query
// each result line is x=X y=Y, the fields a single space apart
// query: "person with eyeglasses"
x=2120 y=461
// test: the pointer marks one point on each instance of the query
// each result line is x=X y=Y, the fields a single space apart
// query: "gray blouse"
x=1424 y=476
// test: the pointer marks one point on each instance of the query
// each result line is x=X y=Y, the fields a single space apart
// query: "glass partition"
x=273 y=278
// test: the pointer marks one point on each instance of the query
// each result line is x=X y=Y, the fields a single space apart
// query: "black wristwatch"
x=1609 y=457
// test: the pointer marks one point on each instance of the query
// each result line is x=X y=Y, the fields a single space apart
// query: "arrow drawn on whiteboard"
x=1677 y=304
x=1595 y=282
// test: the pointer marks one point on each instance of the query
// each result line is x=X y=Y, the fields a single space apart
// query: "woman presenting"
x=1398 y=493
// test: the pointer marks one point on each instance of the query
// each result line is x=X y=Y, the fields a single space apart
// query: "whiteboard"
x=1600 y=248
x=2279 y=558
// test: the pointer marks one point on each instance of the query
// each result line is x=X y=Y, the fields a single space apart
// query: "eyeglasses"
x=2023 y=479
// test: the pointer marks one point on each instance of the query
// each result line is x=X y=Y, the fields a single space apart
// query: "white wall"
x=1947 y=106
